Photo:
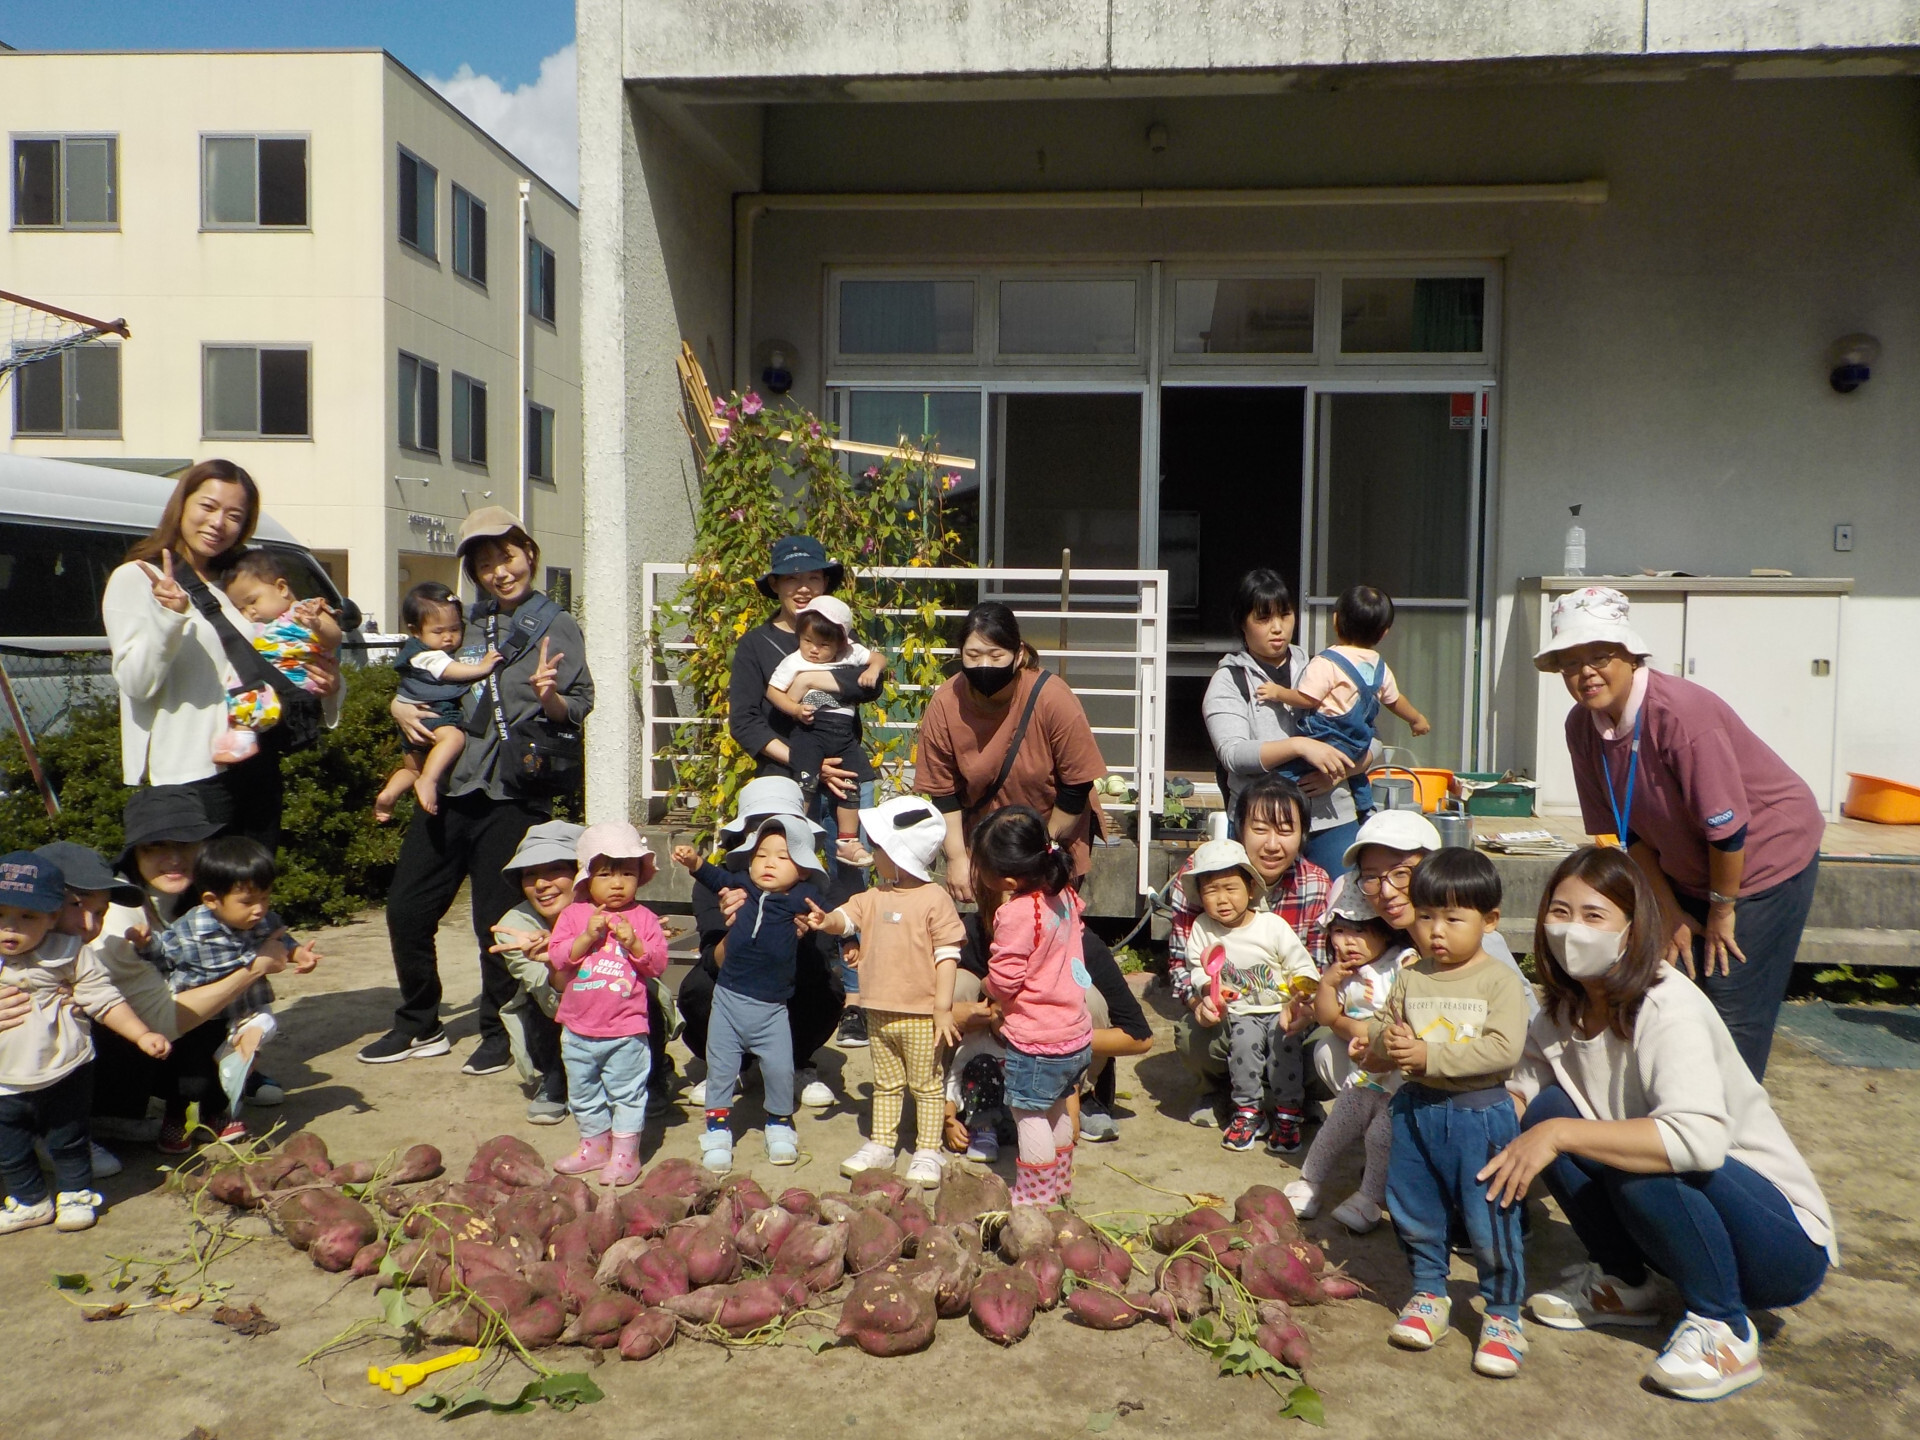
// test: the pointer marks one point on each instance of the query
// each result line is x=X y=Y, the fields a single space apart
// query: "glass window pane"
x=409 y=200
x=90 y=198
x=232 y=401
x=424 y=225
x=1067 y=317
x=94 y=372
x=283 y=392
x=951 y=417
x=52 y=579
x=1427 y=650
x=462 y=239
x=283 y=182
x=1386 y=315
x=474 y=263
x=477 y=423
x=39 y=406
x=1400 y=493
x=408 y=406
x=1072 y=480
x=1243 y=317
x=429 y=407
x=230 y=181
x=36 y=182
x=906 y=317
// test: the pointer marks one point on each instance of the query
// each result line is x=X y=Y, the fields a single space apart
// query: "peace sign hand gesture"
x=166 y=590
x=545 y=681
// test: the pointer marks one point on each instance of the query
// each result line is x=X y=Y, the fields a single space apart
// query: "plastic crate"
x=1495 y=799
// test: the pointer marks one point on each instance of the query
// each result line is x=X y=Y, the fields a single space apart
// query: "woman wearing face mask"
x=1656 y=1140
x=1005 y=732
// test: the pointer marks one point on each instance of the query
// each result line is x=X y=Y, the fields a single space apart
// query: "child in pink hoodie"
x=1036 y=971
x=604 y=948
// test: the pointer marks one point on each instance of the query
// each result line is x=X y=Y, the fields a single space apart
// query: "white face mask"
x=1584 y=951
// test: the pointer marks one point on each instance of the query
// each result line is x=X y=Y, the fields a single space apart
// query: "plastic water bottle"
x=1573 y=558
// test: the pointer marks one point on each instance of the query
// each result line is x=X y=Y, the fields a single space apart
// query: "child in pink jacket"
x=1036 y=971
x=603 y=950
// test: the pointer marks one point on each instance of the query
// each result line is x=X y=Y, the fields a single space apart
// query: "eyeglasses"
x=1574 y=664
x=1396 y=879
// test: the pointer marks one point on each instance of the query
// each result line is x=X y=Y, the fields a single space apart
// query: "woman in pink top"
x=603 y=950
x=1725 y=832
x=1022 y=880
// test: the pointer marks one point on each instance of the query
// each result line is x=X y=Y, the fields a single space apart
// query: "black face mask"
x=988 y=680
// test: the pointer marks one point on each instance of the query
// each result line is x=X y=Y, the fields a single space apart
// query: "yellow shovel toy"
x=401 y=1378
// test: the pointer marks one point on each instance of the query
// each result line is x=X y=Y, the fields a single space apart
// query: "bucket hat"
x=84 y=869
x=1596 y=615
x=162 y=814
x=1351 y=903
x=616 y=840
x=549 y=843
x=768 y=795
x=795 y=555
x=909 y=830
x=835 y=610
x=800 y=842
x=1407 y=830
x=1217 y=857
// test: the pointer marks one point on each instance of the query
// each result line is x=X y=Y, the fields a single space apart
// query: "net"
x=31 y=331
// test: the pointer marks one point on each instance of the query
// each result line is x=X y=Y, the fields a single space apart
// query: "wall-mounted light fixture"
x=776 y=367
x=1157 y=137
x=1853 y=358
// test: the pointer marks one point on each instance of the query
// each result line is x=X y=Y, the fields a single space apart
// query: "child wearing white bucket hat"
x=910 y=942
x=806 y=685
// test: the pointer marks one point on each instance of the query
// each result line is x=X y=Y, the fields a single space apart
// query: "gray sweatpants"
x=1265 y=1069
x=738 y=1027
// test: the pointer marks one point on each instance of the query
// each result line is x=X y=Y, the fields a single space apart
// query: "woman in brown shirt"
x=969 y=726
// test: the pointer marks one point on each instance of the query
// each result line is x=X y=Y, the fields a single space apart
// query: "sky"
x=509 y=64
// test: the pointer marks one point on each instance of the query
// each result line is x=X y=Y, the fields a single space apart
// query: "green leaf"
x=1102 y=1421
x=396 y=1309
x=1304 y=1403
x=816 y=1343
x=565 y=1390
x=74 y=1281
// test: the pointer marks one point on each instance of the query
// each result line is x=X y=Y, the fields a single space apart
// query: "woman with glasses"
x=1726 y=833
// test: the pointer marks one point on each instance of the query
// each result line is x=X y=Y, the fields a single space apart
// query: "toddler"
x=756 y=961
x=605 y=946
x=1035 y=970
x=289 y=633
x=431 y=676
x=1343 y=689
x=1253 y=971
x=233 y=923
x=1352 y=992
x=1453 y=1026
x=806 y=686
x=46 y=1070
x=543 y=868
x=910 y=940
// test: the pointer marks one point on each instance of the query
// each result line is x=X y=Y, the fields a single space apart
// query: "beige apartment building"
x=330 y=275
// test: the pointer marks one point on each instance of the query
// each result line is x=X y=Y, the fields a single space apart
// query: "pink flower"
x=872 y=473
x=752 y=405
x=949 y=480
x=870 y=547
x=719 y=406
x=721 y=432
x=814 y=430
x=738 y=514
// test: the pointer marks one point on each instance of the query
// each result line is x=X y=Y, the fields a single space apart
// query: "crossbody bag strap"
x=250 y=667
x=1013 y=746
x=523 y=642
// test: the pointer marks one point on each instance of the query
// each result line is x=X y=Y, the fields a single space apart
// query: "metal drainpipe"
x=520 y=346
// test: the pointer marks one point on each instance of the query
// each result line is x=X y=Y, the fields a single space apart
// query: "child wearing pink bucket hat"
x=604 y=948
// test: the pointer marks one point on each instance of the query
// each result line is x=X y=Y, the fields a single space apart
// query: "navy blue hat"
x=83 y=869
x=31 y=882
x=163 y=814
x=797 y=554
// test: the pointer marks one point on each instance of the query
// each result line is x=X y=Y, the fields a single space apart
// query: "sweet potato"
x=1048 y=1273
x=879 y=1182
x=305 y=1148
x=1276 y=1272
x=873 y=1239
x=604 y=1226
x=366 y=1260
x=572 y=1284
x=572 y=1192
x=1338 y=1285
x=1103 y=1310
x=265 y=1175
x=800 y=1202
x=1027 y=1229
x=471 y=1260
x=816 y=1253
x=647 y=1334
x=1183 y=1279
x=967 y=1192
x=1287 y=1343
x=655 y=1276
x=1002 y=1304
x=1270 y=1205
x=1258 y=1230
x=913 y=1218
x=354 y=1172
x=1081 y=1255
x=837 y=1207
x=410 y=1262
x=760 y=1237
x=230 y=1187
x=335 y=1246
x=713 y=1258
x=650 y=1215
x=304 y=1214
x=698 y=1307
x=571 y=1241
x=1227 y=1247
x=421 y=1162
x=509 y=1161
x=1169 y=1235
x=453 y=1324
x=617 y=1254
x=747 y=1191
x=890 y=1314
x=1309 y=1254
x=678 y=1179
x=604 y=1318
x=1067 y=1226
x=752 y=1304
x=538 y=1325
x=1116 y=1263
x=940 y=1250
x=506 y=1295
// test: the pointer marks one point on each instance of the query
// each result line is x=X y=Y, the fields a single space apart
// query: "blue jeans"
x=1767 y=928
x=1328 y=848
x=607 y=1082
x=57 y=1114
x=1441 y=1141
x=742 y=1026
x=1040 y=1082
x=1727 y=1238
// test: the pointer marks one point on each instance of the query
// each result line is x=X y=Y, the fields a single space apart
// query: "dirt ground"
x=1847 y=1362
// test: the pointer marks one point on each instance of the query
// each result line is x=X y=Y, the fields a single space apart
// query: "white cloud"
x=537 y=122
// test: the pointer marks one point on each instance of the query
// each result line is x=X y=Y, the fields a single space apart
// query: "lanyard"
x=1623 y=813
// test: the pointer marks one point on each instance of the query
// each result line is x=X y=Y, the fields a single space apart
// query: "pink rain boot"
x=1060 y=1178
x=1030 y=1184
x=623 y=1166
x=591 y=1155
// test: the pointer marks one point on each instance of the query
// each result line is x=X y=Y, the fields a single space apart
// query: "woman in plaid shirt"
x=1271 y=817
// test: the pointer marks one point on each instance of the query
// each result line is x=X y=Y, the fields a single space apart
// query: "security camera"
x=1853 y=357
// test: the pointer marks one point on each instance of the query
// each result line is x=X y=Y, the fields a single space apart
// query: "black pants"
x=246 y=799
x=58 y=1115
x=189 y=1074
x=471 y=838
x=1767 y=929
x=830 y=737
x=812 y=1013
x=124 y=1076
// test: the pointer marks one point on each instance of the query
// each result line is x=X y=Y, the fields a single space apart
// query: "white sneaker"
x=870 y=1156
x=983 y=1145
x=267 y=1092
x=1587 y=1296
x=1206 y=1113
x=926 y=1169
x=74 y=1209
x=812 y=1090
x=696 y=1095
x=716 y=1151
x=15 y=1216
x=1357 y=1213
x=1304 y=1198
x=105 y=1163
x=1705 y=1360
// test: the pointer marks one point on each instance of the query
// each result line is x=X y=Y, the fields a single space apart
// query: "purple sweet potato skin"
x=969 y=1192
x=713 y=1258
x=1268 y=1204
x=333 y=1248
x=750 y=1305
x=305 y=1213
x=647 y=1334
x=366 y=1260
x=890 y=1314
x=539 y=1324
x=1003 y=1303
x=421 y=1162
x=1277 y=1272
x=604 y=1318
x=873 y=1240
x=1102 y=1310
x=1048 y=1272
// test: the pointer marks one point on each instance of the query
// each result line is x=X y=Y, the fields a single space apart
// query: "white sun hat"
x=833 y=609
x=1596 y=615
x=910 y=830
x=1403 y=830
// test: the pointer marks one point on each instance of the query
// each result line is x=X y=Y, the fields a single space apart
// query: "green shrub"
x=334 y=860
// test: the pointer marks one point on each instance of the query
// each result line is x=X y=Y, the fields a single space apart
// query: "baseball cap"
x=84 y=869
x=1407 y=830
x=549 y=843
x=910 y=830
x=31 y=882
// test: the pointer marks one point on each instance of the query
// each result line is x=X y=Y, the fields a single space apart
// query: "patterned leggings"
x=1360 y=1110
x=905 y=1057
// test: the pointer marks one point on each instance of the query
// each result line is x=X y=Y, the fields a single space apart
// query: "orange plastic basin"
x=1430 y=787
x=1884 y=802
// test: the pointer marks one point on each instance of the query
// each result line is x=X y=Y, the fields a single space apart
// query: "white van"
x=64 y=527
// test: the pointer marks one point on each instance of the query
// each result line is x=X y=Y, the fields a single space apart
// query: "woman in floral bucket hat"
x=1724 y=830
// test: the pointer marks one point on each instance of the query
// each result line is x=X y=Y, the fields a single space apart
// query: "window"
x=76 y=392
x=543 y=282
x=419 y=403
x=52 y=577
x=1243 y=316
x=66 y=182
x=906 y=317
x=1390 y=315
x=539 y=442
x=253 y=181
x=560 y=586
x=251 y=391
x=417 y=182
x=1068 y=317
x=469 y=237
x=469 y=420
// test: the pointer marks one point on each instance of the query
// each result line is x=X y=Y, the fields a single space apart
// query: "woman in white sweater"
x=173 y=673
x=1659 y=1145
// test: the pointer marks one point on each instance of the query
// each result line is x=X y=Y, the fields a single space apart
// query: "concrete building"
x=1367 y=292
x=331 y=276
